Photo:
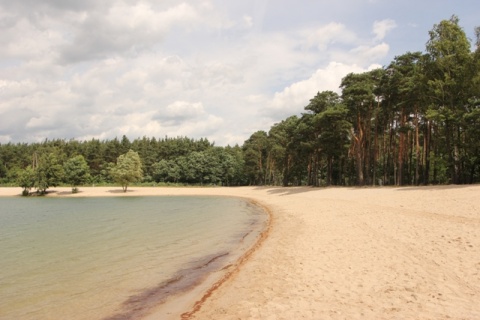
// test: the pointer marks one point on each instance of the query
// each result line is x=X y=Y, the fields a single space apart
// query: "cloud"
x=369 y=54
x=21 y=39
x=124 y=29
x=179 y=112
x=248 y=21
x=13 y=119
x=295 y=97
x=26 y=6
x=381 y=28
x=332 y=33
x=148 y=124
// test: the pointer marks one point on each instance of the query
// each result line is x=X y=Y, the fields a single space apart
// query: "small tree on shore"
x=76 y=172
x=26 y=180
x=128 y=169
x=48 y=173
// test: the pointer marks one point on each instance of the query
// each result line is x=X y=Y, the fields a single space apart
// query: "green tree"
x=281 y=151
x=472 y=118
x=3 y=170
x=450 y=79
x=333 y=136
x=48 y=172
x=227 y=165
x=403 y=89
x=322 y=101
x=76 y=172
x=204 y=167
x=358 y=93
x=98 y=154
x=26 y=180
x=237 y=177
x=326 y=131
x=128 y=169
x=166 y=171
x=173 y=172
x=255 y=153
x=160 y=170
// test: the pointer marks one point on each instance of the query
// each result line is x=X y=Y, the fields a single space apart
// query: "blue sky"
x=215 y=69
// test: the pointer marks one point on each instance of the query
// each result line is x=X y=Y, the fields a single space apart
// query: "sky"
x=211 y=69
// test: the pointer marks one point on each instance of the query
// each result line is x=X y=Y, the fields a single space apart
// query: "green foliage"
x=322 y=101
x=76 y=172
x=255 y=154
x=451 y=75
x=163 y=160
x=160 y=170
x=26 y=180
x=128 y=169
x=3 y=170
x=335 y=130
x=48 y=172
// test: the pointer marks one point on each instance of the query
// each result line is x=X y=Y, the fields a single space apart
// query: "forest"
x=415 y=121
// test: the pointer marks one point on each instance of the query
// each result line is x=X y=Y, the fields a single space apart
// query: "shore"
x=342 y=253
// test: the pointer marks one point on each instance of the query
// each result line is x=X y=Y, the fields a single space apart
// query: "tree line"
x=179 y=160
x=415 y=121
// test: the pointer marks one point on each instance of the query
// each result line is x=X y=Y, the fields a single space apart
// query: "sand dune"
x=343 y=253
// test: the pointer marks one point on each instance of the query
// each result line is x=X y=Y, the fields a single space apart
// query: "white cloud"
x=369 y=54
x=179 y=112
x=22 y=39
x=138 y=125
x=295 y=97
x=41 y=122
x=248 y=21
x=5 y=138
x=381 y=28
x=128 y=29
x=332 y=33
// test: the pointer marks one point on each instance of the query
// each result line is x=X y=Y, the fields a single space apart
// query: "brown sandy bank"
x=343 y=253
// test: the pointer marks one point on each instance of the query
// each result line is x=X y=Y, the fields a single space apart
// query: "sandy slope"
x=343 y=253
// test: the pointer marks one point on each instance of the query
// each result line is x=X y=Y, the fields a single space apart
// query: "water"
x=95 y=258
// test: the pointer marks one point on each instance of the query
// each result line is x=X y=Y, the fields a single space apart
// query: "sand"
x=347 y=253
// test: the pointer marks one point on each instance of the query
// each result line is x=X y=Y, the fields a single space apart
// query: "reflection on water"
x=90 y=258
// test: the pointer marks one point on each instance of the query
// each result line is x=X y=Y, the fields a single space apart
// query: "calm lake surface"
x=98 y=258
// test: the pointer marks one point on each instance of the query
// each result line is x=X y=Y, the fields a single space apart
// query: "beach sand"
x=345 y=253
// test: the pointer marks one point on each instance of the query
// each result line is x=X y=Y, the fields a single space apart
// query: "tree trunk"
x=426 y=153
x=329 y=170
x=367 y=149
x=316 y=167
x=310 y=171
x=286 y=171
x=417 y=149
x=401 y=149
x=375 y=149
x=359 y=152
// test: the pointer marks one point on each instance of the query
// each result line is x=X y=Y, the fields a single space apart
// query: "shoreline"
x=343 y=252
x=235 y=267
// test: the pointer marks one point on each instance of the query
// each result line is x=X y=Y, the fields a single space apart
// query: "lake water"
x=113 y=257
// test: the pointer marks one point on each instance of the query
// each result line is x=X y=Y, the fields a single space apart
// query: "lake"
x=114 y=257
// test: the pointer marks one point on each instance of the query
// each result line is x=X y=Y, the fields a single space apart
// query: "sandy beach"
x=346 y=253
